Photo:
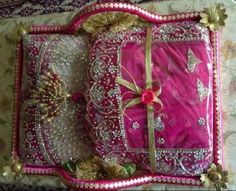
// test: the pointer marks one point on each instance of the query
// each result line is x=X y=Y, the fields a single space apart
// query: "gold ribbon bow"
x=149 y=94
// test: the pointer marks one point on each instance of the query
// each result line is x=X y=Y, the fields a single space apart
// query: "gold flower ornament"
x=22 y=29
x=50 y=95
x=112 y=21
x=214 y=17
x=215 y=177
x=15 y=169
x=96 y=169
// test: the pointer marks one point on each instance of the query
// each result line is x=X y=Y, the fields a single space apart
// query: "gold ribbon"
x=150 y=107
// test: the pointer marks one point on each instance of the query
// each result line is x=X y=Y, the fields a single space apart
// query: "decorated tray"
x=120 y=97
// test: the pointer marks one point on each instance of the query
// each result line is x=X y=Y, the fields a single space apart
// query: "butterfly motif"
x=202 y=91
x=193 y=61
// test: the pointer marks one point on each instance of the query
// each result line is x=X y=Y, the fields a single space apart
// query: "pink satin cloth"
x=182 y=68
x=179 y=95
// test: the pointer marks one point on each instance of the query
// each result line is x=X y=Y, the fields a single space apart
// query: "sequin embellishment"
x=161 y=140
x=201 y=121
x=97 y=93
x=193 y=61
x=98 y=69
x=202 y=91
x=158 y=123
x=135 y=125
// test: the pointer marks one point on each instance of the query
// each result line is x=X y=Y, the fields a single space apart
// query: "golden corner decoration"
x=213 y=17
x=111 y=21
x=22 y=28
x=14 y=170
x=94 y=168
x=215 y=177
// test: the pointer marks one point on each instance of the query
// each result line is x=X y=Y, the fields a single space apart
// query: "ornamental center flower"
x=215 y=176
x=214 y=18
x=147 y=96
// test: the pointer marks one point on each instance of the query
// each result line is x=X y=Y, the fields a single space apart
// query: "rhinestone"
x=201 y=121
x=135 y=125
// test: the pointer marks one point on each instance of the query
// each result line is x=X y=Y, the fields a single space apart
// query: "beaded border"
x=70 y=29
x=112 y=184
x=217 y=130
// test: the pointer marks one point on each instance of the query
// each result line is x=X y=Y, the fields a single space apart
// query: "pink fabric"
x=188 y=125
x=179 y=92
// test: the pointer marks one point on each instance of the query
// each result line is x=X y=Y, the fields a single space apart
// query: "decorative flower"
x=95 y=169
x=113 y=21
x=213 y=17
x=22 y=28
x=115 y=171
x=147 y=96
x=50 y=95
x=215 y=177
x=90 y=169
x=15 y=169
